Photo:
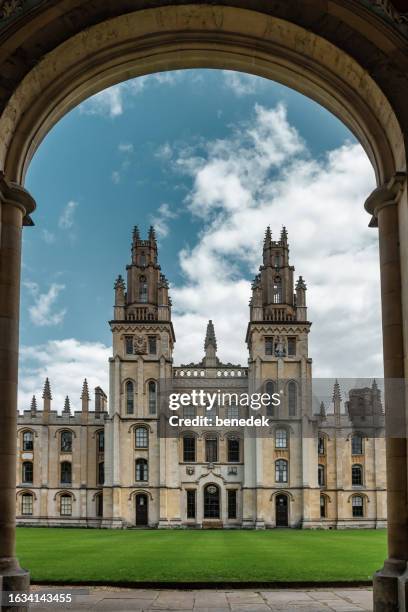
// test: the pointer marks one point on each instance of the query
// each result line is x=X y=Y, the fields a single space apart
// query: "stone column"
x=15 y=206
x=390 y=582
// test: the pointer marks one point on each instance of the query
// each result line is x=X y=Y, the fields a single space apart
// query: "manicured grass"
x=81 y=555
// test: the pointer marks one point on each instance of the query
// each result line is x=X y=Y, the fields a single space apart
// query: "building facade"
x=317 y=464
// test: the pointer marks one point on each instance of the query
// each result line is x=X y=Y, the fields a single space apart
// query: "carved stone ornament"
x=8 y=8
x=190 y=471
x=140 y=345
x=388 y=8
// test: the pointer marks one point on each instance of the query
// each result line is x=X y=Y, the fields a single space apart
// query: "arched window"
x=281 y=438
x=66 y=442
x=27 y=504
x=142 y=289
x=101 y=473
x=321 y=475
x=211 y=501
x=141 y=437
x=152 y=397
x=65 y=505
x=233 y=449
x=27 y=472
x=101 y=441
x=357 y=504
x=129 y=397
x=292 y=398
x=99 y=504
x=277 y=290
x=66 y=472
x=28 y=441
x=323 y=506
x=189 y=449
x=270 y=390
x=357 y=475
x=281 y=470
x=211 y=449
x=141 y=470
x=356 y=445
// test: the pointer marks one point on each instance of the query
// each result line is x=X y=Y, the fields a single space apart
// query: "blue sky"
x=210 y=158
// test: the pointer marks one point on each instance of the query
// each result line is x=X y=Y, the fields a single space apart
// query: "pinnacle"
x=47 y=390
x=67 y=406
x=210 y=335
x=85 y=390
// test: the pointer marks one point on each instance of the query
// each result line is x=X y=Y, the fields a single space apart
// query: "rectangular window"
x=269 y=345
x=322 y=507
x=232 y=503
x=191 y=504
x=358 y=506
x=291 y=347
x=211 y=450
x=189 y=449
x=320 y=446
x=189 y=412
x=27 y=504
x=129 y=345
x=233 y=450
x=233 y=412
x=152 y=345
x=66 y=505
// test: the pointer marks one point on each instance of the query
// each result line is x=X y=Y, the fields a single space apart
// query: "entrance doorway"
x=281 y=511
x=212 y=502
x=141 y=509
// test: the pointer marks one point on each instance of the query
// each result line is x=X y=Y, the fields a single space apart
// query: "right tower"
x=277 y=338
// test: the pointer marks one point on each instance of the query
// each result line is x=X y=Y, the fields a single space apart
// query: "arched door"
x=212 y=502
x=142 y=507
x=281 y=505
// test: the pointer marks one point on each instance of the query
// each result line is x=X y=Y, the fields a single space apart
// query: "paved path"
x=316 y=600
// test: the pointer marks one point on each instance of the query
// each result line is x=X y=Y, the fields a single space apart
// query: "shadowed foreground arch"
x=349 y=55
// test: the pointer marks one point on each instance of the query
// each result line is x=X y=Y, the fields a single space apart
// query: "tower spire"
x=152 y=234
x=210 y=336
x=33 y=406
x=268 y=238
x=136 y=234
x=67 y=406
x=47 y=390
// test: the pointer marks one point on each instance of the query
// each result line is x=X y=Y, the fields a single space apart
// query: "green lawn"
x=81 y=555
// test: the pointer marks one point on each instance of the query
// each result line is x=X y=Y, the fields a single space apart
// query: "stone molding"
x=387 y=194
x=12 y=193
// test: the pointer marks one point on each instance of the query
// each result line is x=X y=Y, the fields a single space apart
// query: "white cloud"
x=264 y=174
x=164 y=152
x=66 y=363
x=126 y=147
x=66 y=220
x=115 y=177
x=242 y=84
x=41 y=312
x=48 y=236
x=161 y=218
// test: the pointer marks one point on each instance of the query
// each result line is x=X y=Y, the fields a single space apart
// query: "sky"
x=210 y=158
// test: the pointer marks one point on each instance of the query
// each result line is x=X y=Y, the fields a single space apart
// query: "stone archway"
x=348 y=55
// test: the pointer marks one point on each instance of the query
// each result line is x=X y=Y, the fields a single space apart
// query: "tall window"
x=232 y=503
x=292 y=398
x=152 y=345
x=129 y=345
x=99 y=504
x=101 y=473
x=321 y=447
x=142 y=259
x=189 y=449
x=281 y=470
x=65 y=505
x=356 y=445
x=27 y=504
x=211 y=450
x=142 y=289
x=211 y=501
x=323 y=507
x=270 y=390
x=268 y=345
x=152 y=397
x=191 y=504
x=28 y=441
x=281 y=438
x=101 y=441
x=321 y=475
x=27 y=472
x=277 y=261
x=66 y=472
x=66 y=442
x=141 y=437
x=130 y=400
x=291 y=347
x=357 y=504
x=189 y=412
x=357 y=475
x=141 y=470
x=233 y=412
x=233 y=450
x=277 y=290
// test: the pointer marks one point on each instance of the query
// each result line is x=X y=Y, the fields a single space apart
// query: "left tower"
x=143 y=340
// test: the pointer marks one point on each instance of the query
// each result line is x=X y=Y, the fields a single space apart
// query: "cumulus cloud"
x=242 y=84
x=66 y=363
x=161 y=219
x=42 y=312
x=66 y=220
x=126 y=147
x=264 y=174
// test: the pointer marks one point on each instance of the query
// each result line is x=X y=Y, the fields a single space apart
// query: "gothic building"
x=316 y=465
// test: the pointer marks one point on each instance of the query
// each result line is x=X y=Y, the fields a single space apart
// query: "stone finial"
x=322 y=410
x=85 y=390
x=300 y=284
x=268 y=237
x=152 y=234
x=67 y=406
x=210 y=336
x=119 y=283
x=284 y=235
x=336 y=392
x=136 y=234
x=47 y=390
x=33 y=406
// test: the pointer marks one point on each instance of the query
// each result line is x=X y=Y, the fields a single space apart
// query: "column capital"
x=387 y=194
x=15 y=194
